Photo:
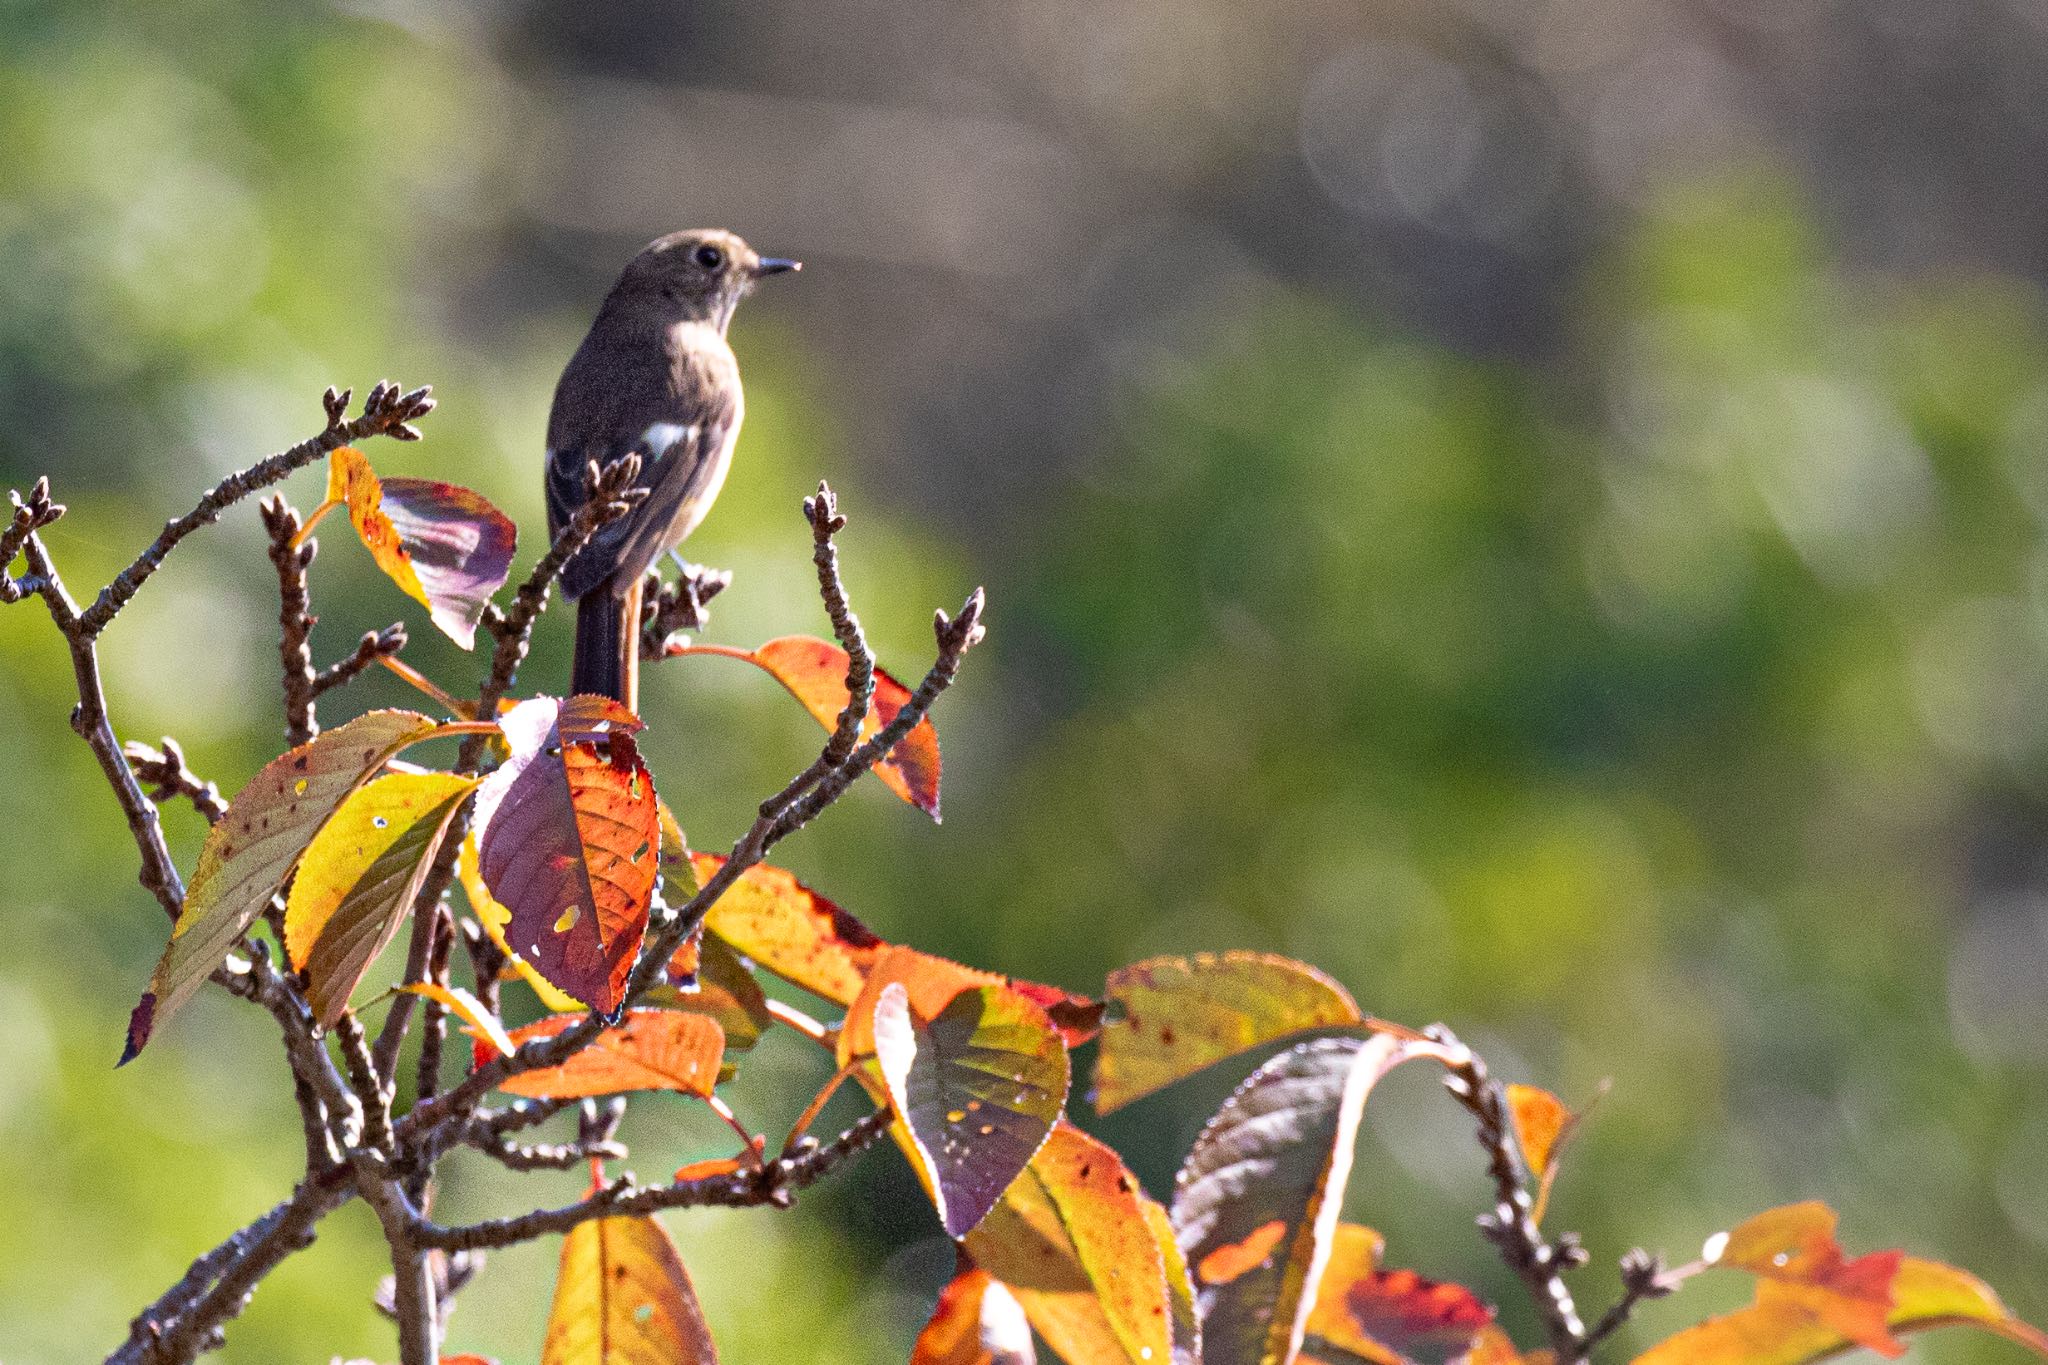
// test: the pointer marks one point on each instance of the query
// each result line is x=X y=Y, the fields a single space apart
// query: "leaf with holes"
x=254 y=847
x=648 y=1049
x=359 y=878
x=1812 y=1301
x=443 y=545
x=1278 y=1151
x=977 y=1322
x=814 y=671
x=494 y=917
x=1181 y=1014
x=568 y=833
x=1388 y=1316
x=1071 y=1238
x=977 y=1087
x=622 y=1297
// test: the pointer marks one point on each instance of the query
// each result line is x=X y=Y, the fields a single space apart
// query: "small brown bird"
x=654 y=376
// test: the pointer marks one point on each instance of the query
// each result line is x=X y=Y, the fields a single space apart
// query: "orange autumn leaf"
x=932 y=982
x=977 y=1322
x=814 y=671
x=1544 y=1126
x=1073 y=1241
x=1778 y=1331
x=650 y=1049
x=1233 y=1259
x=1793 y=1251
x=1390 y=1316
x=622 y=1297
x=771 y=917
x=1494 y=1347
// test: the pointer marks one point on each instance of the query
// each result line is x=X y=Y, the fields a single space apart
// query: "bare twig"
x=771 y=1183
x=168 y=774
x=1511 y=1225
x=375 y=645
x=294 y=616
x=1643 y=1276
x=681 y=605
x=386 y=412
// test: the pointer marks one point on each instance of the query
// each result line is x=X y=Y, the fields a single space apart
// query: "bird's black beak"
x=775 y=265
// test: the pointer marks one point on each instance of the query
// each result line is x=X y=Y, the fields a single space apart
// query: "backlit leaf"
x=442 y=544
x=724 y=990
x=978 y=1087
x=932 y=982
x=567 y=838
x=1543 y=1128
x=1181 y=1014
x=1071 y=1239
x=1180 y=1287
x=1494 y=1347
x=1390 y=1315
x=622 y=1297
x=771 y=917
x=1794 y=1251
x=1279 y=1149
x=255 y=846
x=649 y=1049
x=977 y=1322
x=494 y=917
x=359 y=878
x=469 y=1010
x=814 y=671
x=1778 y=1331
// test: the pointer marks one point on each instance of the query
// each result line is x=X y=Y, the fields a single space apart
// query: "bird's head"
x=697 y=275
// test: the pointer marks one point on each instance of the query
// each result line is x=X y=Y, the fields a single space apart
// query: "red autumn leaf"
x=1390 y=1315
x=650 y=1049
x=814 y=671
x=622 y=1297
x=443 y=544
x=977 y=1322
x=1073 y=1240
x=1181 y=1014
x=567 y=842
x=1278 y=1149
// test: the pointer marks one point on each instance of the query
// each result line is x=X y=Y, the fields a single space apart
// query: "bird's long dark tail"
x=607 y=645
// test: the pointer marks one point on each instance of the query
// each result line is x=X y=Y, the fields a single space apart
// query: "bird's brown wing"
x=684 y=438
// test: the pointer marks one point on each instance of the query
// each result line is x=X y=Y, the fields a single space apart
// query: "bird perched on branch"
x=654 y=377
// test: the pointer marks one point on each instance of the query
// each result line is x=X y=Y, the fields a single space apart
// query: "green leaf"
x=1260 y=1192
x=360 y=876
x=255 y=846
x=1181 y=1014
x=979 y=1088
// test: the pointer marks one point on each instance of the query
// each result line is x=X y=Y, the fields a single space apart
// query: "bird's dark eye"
x=710 y=257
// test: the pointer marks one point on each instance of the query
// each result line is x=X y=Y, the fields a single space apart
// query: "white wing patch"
x=655 y=441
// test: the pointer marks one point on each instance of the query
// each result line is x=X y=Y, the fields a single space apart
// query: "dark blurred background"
x=1534 y=506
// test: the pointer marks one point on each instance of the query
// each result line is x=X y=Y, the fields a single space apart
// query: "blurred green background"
x=1535 y=507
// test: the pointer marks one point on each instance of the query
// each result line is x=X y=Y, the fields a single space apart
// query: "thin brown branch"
x=682 y=605
x=771 y=1183
x=294 y=616
x=368 y=1085
x=1511 y=1225
x=386 y=412
x=1643 y=1277
x=375 y=646
x=168 y=774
